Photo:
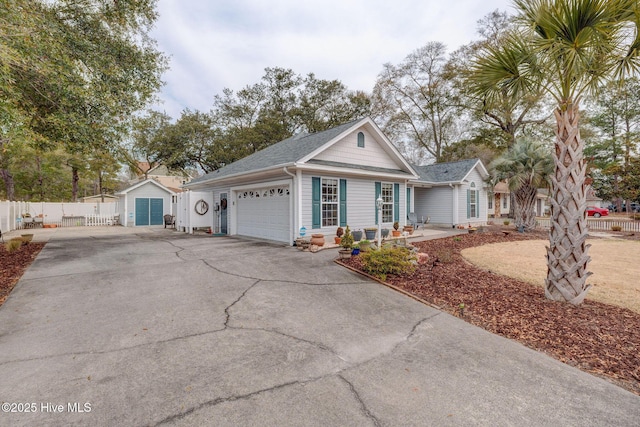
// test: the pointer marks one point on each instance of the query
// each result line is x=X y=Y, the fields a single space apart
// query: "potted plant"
x=365 y=245
x=357 y=235
x=355 y=250
x=385 y=233
x=408 y=228
x=346 y=243
x=339 y=233
x=396 y=232
x=370 y=233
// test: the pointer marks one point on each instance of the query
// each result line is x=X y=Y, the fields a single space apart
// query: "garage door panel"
x=264 y=213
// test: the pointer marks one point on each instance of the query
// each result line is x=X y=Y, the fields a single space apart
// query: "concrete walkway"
x=137 y=327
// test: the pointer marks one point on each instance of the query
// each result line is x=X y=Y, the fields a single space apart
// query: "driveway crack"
x=367 y=413
x=226 y=310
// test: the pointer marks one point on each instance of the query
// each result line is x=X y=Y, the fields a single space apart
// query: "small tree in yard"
x=573 y=46
x=526 y=166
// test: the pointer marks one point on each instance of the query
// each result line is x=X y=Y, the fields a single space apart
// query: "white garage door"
x=264 y=213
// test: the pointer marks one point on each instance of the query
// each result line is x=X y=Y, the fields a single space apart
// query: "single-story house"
x=145 y=203
x=314 y=183
x=451 y=194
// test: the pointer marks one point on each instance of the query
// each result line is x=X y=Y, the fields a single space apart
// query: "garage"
x=264 y=213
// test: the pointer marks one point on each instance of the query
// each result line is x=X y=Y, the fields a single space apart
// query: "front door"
x=223 y=213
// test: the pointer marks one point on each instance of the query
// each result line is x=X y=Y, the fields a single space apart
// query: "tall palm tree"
x=526 y=166
x=572 y=47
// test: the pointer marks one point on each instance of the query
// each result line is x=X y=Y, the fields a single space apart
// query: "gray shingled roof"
x=284 y=152
x=445 y=172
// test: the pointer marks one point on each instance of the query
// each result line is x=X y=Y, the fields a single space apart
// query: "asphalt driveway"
x=133 y=327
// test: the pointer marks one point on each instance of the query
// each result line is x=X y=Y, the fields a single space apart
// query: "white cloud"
x=229 y=43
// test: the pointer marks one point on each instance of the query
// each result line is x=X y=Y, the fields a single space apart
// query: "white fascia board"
x=483 y=170
x=141 y=183
x=252 y=175
x=388 y=147
x=348 y=171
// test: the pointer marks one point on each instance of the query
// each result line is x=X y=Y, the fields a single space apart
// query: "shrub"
x=506 y=222
x=636 y=216
x=347 y=239
x=388 y=260
x=616 y=228
x=13 y=244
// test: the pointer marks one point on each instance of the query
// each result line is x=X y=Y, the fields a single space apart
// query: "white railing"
x=602 y=224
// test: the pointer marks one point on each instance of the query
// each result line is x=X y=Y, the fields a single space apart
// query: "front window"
x=329 y=202
x=387 y=202
x=490 y=201
x=505 y=201
x=473 y=204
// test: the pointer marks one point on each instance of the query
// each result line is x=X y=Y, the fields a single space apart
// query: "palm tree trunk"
x=567 y=254
x=525 y=207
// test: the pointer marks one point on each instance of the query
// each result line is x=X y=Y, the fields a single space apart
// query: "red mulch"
x=13 y=265
x=598 y=338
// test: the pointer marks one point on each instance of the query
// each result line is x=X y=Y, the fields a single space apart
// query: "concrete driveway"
x=133 y=327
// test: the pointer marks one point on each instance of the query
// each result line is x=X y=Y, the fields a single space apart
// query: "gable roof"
x=450 y=172
x=296 y=150
x=146 y=181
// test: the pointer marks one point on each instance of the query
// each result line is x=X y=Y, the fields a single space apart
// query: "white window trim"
x=382 y=184
x=337 y=203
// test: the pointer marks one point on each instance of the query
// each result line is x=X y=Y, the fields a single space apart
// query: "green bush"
x=506 y=222
x=13 y=244
x=388 y=260
x=616 y=228
x=347 y=239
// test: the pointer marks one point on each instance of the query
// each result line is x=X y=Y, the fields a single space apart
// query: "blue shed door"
x=149 y=211
x=155 y=211
x=142 y=211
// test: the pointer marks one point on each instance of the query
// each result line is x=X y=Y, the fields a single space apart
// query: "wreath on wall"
x=201 y=207
x=223 y=203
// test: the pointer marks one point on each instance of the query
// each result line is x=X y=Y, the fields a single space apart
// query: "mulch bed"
x=598 y=338
x=13 y=265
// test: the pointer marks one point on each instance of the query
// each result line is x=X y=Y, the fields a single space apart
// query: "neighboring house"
x=145 y=203
x=594 y=200
x=101 y=198
x=499 y=201
x=162 y=174
x=451 y=194
x=313 y=183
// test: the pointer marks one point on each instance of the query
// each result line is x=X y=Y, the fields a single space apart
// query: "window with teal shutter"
x=468 y=203
x=378 y=192
x=396 y=202
x=343 y=202
x=315 y=202
x=408 y=201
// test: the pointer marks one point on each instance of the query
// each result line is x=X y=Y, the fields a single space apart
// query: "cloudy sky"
x=217 y=44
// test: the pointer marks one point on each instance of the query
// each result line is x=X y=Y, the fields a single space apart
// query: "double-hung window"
x=330 y=202
x=387 y=202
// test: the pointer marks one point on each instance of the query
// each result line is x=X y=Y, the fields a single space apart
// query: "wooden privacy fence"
x=602 y=224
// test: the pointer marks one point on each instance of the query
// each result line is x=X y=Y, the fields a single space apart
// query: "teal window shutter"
x=468 y=203
x=315 y=202
x=396 y=202
x=343 y=202
x=378 y=192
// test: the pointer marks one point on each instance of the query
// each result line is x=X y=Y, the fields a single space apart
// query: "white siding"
x=347 y=151
x=361 y=207
x=463 y=219
x=147 y=190
x=435 y=203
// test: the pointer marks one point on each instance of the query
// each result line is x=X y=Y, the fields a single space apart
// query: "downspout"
x=454 y=207
x=293 y=203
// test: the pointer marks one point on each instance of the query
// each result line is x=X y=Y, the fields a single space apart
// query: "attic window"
x=360 y=139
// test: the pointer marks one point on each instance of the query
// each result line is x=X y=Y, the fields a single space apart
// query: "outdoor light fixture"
x=379 y=206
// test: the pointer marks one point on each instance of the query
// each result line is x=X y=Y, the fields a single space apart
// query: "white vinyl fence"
x=58 y=213
x=602 y=224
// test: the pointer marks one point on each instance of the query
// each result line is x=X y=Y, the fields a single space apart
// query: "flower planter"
x=385 y=233
x=345 y=253
x=364 y=247
x=337 y=240
x=317 y=239
x=357 y=235
x=355 y=251
x=370 y=234
x=408 y=229
x=396 y=233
